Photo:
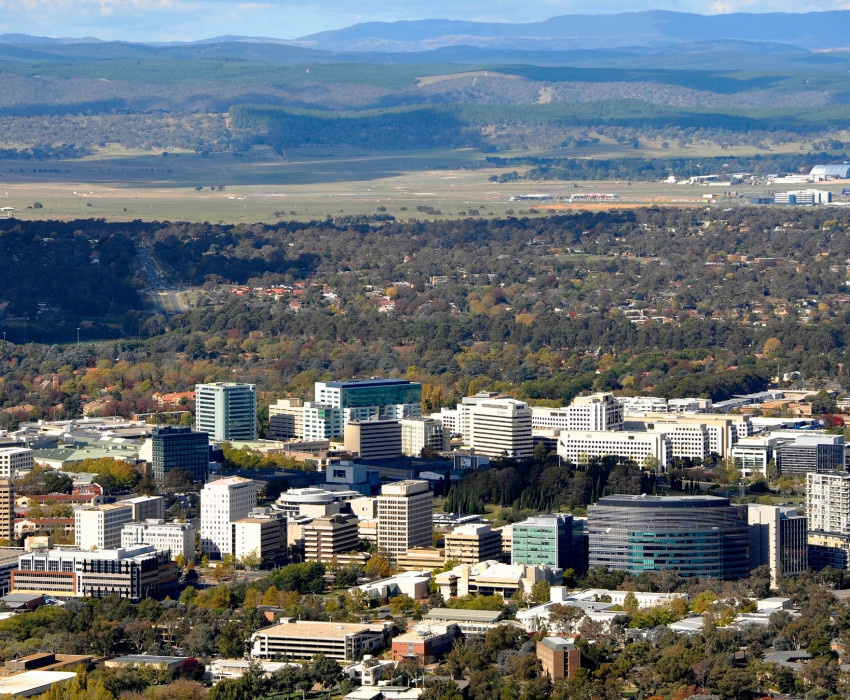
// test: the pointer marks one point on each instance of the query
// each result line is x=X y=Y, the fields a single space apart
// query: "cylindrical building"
x=701 y=536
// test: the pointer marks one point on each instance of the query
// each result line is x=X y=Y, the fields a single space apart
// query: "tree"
x=192 y=669
x=325 y=671
x=230 y=689
x=540 y=592
x=563 y=618
x=232 y=641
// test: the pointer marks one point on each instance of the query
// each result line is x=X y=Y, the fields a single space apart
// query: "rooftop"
x=366 y=383
x=457 y=615
x=324 y=630
x=32 y=682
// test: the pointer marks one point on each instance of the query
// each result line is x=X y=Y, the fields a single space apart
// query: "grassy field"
x=261 y=186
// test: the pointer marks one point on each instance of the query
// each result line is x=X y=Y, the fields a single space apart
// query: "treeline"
x=541 y=486
x=542 y=168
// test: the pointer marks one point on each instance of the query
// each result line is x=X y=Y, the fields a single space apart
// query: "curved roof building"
x=840 y=171
x=701 y=536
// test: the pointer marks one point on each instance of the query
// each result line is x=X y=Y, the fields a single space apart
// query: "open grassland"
x=310 y=184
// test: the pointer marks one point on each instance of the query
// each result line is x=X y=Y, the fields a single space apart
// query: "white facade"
x=594 y=412
x=321 y=421
x=419 y=433
x=99 y=527
x=405 y=517
x=223 y=502
x=286 y=418
x=828 y=502
x=500 y=427
x=576 y=447
x=177 y=537
x=226 y=411
x=15 y=460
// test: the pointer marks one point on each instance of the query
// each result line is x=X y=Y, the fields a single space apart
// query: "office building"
x=145 y=507
x=303 y=640
x=286 y=419
x=378 y=437
x=499 y=427
x=470 y=544
x=321 y=421
x=363 y=398
x=354 y=477
x=778 y=539
x=543 y=539
x=14 y=461
x=638 y=447
x=701 y=536
x=801 y=452
x=594 y=412
x=724 y=431
x=420 y=433
x=7 y=510
x=99 y=527
x=328 y=538
x=261 y=535
x=223 y=502
x=176 y=537
x=128 y=573
x=494 y=578
x=405 y=511
x=226 y=411
x=180 y=448
x=752 y=455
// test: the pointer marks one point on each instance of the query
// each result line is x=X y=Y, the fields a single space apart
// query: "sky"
x=190 y=20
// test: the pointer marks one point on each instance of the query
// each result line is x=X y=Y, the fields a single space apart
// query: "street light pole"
x=78 y=336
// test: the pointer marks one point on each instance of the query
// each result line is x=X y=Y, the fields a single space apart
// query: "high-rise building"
x=145 y=507
x=543 y=539
x=396 y=398
x=286 y=419
x=595 y=412
x=405 y=517
x=99 y=527
x=701 y=536
x=828 y=502
x=226 y=411
x=180 y=448
x=828 y=513
x=802 y=452
x=500 y=427
x=15 y=460
x=419 y=433
x=321 y=421
x=261 y=535
x=778 y=539
x=223 y=502
x=327 y=538
x=379 y=437
x=470 y=544
x=7 y=510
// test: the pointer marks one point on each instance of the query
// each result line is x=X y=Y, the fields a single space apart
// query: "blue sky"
x=181 y=20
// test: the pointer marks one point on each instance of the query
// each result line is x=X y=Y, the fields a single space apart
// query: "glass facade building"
x=701 y=536
x=180 y=448
x=543 y=539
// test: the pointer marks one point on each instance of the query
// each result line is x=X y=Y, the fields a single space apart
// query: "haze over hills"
x=653 y=28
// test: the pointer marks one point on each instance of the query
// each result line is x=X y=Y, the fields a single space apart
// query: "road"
x=165 y=296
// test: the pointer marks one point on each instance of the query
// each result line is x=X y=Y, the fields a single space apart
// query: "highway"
x=165 y=296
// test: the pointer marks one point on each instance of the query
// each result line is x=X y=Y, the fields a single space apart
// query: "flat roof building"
x=405 y=511
x=701 y=536
x=303 y=640
x=226 y=411
x=470 y=544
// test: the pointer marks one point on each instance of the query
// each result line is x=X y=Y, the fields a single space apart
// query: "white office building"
x=14 y=461
x=405 y=517
x=175 y=536
x=99 y=527
x=286 y=419
x=321 y=421
x=577 y=447
x=223 y=502
x=499 y=427
x=419 y=433
x=595 y=412
x=226 y=411
x=828 y=502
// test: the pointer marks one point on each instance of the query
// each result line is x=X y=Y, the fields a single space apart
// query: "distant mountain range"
x=650 y=29
x=653 y=30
